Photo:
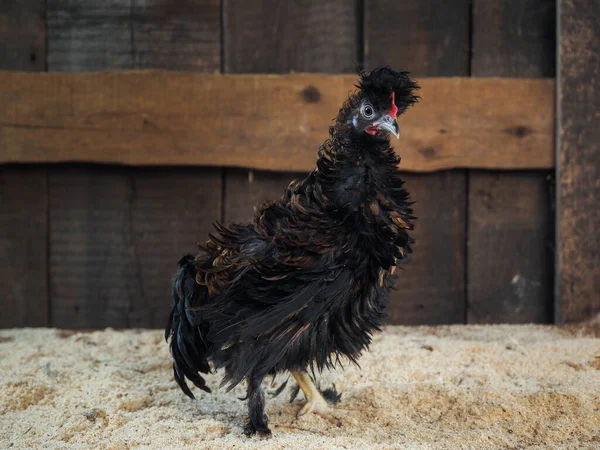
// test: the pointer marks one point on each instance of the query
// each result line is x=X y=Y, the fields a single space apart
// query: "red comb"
x=394 y=109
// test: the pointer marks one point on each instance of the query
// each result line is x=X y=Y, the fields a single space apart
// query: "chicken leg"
x=257 y=419
x=315 y=402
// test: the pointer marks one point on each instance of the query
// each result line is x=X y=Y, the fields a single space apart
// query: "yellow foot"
x=321 y=408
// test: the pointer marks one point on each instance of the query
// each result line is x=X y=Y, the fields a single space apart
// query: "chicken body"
x=307 y=282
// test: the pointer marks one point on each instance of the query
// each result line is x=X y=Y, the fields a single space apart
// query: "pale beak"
x=389 y=124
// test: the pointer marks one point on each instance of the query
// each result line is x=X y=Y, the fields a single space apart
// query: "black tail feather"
x=188 y=344
x=331 y=395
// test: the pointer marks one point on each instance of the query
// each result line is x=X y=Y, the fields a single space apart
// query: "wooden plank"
x=93 y=271
x=116 y=241
x=177 y=35
x=245 y=189
x=162 y=118
x=428 y=38
x=431 y=287
x=174 y=210
x=116 y=235
x=141 y=34
x=510 y=261
x=22 y=35
x=23 y=247
x=23 y=190
x=514 y=38
x=578 y=215
x=275 y=36
x=84 y=35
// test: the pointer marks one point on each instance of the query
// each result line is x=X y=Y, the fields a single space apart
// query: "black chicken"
x=308 y=281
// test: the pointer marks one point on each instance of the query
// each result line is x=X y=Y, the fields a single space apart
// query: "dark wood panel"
x=23 y=190
x=116 y=236
x=117 y=233
x=174 y=210
x=279 y=36
x=511 y=228
x=177 y=35
x=84 y=35
x=246 y=189
x=23 y=247
x=93 y=269
x=427 y=38
x=430 y=288
x=22 y=35
x=514 y=38
x=578 y=213
x=510 y=260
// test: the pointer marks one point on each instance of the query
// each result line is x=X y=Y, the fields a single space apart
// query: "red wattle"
x=372 y=130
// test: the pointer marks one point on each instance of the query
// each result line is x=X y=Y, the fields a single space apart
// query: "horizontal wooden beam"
x=273 y=122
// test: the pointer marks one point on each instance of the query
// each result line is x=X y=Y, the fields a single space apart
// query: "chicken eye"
x=367 y=111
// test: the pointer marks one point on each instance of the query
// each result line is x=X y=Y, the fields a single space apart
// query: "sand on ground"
x=418 y=388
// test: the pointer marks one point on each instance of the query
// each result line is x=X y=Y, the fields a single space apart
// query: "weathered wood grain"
x=177 y=35
x=93 y=270
x=116 y=236
x=578 y=213
x=514 y=38
x=117 y=233
x=245 y=189
x=262 y=121
x=23 y=247
x=174 y=209
x=428 y=38
x=23 y=190
x=84 y=35
x=431 y=287
x=510 y=261
x=22 y=35
x=510 y=229
x=278 y=36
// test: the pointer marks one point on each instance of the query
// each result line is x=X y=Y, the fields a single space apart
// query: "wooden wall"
x=24 y=248
x=510 y=220
x=95 y=246
x=578 y=213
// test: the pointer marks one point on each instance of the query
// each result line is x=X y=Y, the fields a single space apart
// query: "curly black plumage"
x=380 y=83
x=306 y=282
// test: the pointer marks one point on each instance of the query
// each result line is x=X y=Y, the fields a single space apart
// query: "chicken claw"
x=320 y=408
x=315 y=403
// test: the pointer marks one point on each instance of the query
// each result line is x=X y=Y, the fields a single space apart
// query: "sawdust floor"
x=429 y=387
